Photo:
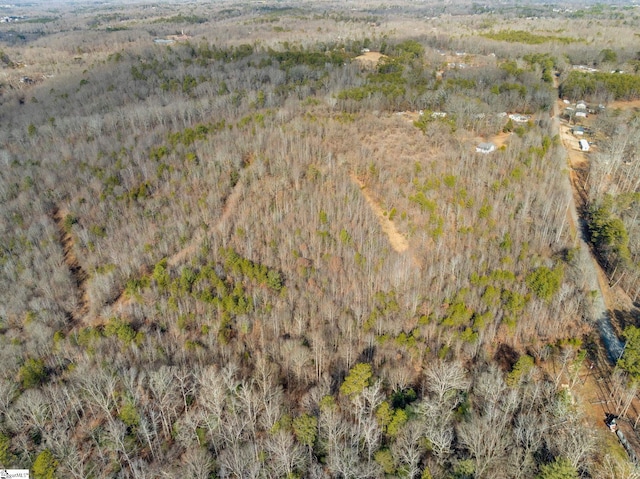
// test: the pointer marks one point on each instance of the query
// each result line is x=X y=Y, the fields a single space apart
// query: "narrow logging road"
x=598 y=314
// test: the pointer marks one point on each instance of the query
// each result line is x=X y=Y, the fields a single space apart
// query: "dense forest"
x=265 y=244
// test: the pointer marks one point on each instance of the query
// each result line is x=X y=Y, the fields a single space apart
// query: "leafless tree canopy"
x=257 y=240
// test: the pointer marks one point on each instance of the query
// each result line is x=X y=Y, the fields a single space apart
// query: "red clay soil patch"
x=409 y=116
x=500 y=139
x=370 y=59
x=624 y=105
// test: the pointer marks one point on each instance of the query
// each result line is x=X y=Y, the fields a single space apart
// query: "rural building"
x=581 y=114
x=519 y=118
x=578 y=130
x=581 y=105
x=585 y=68
x=485 y=148
x=584 y=145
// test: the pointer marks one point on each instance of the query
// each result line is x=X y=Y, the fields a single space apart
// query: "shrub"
x=561 y=468
x=630 y=361
x=45 y=465
x=305 y=428
x=6 y=457
x=124 y=331
x=358 y=378
x=522 y=367
x=129 y=415
x=32 y=373
x=545 y=282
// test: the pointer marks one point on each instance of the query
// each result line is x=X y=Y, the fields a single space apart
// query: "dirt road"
x=594 y=279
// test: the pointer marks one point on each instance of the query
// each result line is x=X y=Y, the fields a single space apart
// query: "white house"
x=485 y=148
x=519 y=118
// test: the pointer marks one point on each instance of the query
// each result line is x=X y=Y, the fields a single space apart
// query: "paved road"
x=598 y=314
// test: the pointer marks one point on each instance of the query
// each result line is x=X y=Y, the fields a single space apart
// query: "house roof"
x=485 y=147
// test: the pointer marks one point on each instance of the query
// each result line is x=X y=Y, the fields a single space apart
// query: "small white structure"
x=581 y=105
x=438 y=114
x=577 y=130
x=519 y=118
x=485 y=148
x=581 y=114
x=584 y=68
x=584 y=145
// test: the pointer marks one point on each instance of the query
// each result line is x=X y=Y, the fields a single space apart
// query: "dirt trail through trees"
x=229 y=206
x=78 y=275
x=177 y=258
x=398 y=242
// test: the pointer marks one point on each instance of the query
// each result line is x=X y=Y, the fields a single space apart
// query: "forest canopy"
x=270 y=240
x=618 y=85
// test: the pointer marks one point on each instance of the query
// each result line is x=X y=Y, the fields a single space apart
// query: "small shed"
x=519 y=118
x=584 y=145
x=485 y=148
x=578 y=130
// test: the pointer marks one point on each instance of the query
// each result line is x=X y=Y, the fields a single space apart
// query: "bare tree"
x=487 y=435
x=238 y=460
x=285 y=455
x=197 y=463
x=408 y=449
x=165 y=396
x=444 y=378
